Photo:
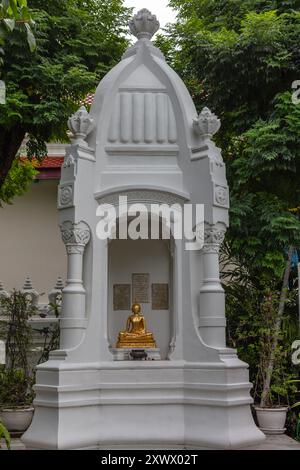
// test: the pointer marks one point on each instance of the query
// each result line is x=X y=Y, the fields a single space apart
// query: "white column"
x=73 y=317
x=212 y=298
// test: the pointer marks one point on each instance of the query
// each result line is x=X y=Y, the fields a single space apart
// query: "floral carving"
x=66 y=195
x=212 y=237
x=221 y=195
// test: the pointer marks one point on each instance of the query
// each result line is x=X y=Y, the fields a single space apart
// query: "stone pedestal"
x=123 y=354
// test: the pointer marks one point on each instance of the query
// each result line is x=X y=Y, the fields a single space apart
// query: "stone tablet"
x=140 y=287
x=160 y=296
x=122 y=296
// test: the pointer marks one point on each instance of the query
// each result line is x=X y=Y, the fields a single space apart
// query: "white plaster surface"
x=31 y=241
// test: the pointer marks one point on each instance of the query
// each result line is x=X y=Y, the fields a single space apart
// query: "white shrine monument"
x=142 y=139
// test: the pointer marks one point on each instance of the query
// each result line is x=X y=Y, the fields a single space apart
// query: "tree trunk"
x=265 y=397
x=10 y=143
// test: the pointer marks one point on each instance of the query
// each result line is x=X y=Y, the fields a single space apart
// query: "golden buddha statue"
x=136 y=335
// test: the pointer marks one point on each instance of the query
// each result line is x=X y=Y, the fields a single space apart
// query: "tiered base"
x=132 y=404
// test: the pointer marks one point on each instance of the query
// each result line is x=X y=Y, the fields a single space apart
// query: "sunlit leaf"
x=9 y=23
x=30 y=38
x=4 y=434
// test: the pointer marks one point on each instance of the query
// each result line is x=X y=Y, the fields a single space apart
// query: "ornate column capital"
x=214 y=235
x=75 y=236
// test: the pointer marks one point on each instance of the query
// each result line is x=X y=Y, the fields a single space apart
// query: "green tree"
x=266 y=192
x=265 y=221
x=77 y=42
x=240 y=57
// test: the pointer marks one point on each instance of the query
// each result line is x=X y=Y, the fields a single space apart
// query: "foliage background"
x=77 y=42
x=240 y=58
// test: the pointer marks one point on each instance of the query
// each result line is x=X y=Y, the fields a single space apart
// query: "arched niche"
x=152 y=257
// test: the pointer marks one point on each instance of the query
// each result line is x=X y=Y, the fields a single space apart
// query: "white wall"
x=139 y=256
x=30 y=241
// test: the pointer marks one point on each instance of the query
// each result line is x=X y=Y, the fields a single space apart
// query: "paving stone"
x=279 y=442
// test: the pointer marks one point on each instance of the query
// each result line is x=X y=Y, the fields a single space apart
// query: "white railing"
x=45 y=310
x=44 y=318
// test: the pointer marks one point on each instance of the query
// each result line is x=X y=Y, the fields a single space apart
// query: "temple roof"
x=141 y=103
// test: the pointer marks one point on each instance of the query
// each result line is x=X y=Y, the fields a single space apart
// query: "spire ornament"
x=55 y=295
x=3 y=293
x=206 y=124
x=80 y=125
x=31 y=295
x=144 y=25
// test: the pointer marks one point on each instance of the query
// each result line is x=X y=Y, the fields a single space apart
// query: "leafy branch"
x=4 y=434
x=12 y=14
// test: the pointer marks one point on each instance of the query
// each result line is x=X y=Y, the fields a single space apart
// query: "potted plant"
x=272 y=410
x=271 y=417
x=271 y=420
x=262 y=324
x=16 y=400
x=16 y=377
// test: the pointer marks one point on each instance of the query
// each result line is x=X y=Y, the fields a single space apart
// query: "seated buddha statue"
x=136 y=335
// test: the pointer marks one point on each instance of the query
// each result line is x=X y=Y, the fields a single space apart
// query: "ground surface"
x=281 y=442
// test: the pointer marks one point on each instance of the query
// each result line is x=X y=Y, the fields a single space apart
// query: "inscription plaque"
x=160 y=296
x=140 y=287
x=122 y=297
